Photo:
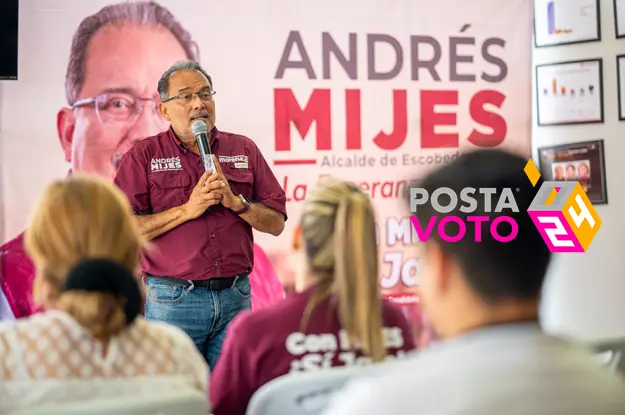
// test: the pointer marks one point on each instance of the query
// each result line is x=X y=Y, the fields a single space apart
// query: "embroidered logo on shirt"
x=166 y=164
x=240 y=162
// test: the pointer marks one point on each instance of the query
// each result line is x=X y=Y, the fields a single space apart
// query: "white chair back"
x=307 y=393
x=189 y=402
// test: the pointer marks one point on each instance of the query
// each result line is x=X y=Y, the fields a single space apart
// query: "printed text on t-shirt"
x=318 y=351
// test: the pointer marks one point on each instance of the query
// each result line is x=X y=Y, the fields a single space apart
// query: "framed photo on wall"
x=620 y=81
x=583 y=162
x=565 y=22
x=569 y=92
x=619 y=18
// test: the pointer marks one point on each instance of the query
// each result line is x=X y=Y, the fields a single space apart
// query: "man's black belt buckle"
x=215 y=283
x=212 y=283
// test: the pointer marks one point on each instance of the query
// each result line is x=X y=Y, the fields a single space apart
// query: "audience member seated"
x=483 y=300
x=91 y=341
x=335 y=319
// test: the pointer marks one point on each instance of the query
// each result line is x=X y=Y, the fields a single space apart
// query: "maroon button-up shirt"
x=159 y=173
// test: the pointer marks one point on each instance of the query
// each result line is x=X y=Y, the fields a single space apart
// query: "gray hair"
x=142 y=12
x=163 y=83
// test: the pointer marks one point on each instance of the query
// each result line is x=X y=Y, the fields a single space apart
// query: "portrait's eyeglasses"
x=186 y=97
x=120 y=107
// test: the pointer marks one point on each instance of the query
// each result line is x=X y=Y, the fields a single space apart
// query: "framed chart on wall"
x=564 y=22
x=619 y=18
x=583 y=162
x=569 y=92
x=620 y=81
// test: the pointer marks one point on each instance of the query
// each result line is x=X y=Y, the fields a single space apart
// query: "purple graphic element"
x=551 y=18
x=556 y=231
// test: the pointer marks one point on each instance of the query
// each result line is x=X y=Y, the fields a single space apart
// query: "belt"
x=212 y=283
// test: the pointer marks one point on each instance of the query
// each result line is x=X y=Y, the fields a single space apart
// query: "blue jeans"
x=202 y=313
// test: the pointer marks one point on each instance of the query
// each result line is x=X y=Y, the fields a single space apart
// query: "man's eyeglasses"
x=186 y=97
x=120 y=107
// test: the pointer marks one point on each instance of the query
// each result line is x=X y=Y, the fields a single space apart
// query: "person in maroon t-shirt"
x=199 y=222
x=336 y=318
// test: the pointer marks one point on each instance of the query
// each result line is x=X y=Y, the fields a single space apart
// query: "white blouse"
x=49 y=358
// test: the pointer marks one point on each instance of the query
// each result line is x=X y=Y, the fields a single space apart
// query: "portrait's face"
x=193 y=101
x=559 y=173
x=583 y=171
x=122 y=69
x=570 y=173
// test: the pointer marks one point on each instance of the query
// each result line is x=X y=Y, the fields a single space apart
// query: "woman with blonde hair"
x=91 y=341
x=336 y=318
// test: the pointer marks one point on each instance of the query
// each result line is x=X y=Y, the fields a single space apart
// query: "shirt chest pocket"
x=169 y=190
x=241 y=182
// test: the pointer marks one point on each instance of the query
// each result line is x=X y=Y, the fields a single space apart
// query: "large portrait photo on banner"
x=373 y=94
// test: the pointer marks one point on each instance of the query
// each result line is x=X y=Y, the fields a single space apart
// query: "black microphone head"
x=199 y=127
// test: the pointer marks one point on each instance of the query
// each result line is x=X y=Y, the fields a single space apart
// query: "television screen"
x=8 y=39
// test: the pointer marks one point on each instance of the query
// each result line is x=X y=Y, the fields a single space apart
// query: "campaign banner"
x=371 y=92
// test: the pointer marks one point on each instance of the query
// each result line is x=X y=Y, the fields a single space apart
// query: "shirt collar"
x=507 y=330
x=214 y=136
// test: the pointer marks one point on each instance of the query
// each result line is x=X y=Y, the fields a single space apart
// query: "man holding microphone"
x=199 y=222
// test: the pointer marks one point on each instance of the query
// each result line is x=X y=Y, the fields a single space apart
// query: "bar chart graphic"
x=551 y=21
x=565 y=21
x=569 y=93
x=558 y=89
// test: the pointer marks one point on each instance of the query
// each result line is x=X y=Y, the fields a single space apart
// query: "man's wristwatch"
x=246 y=205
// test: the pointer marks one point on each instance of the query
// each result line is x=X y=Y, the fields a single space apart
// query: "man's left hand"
x=228 y=199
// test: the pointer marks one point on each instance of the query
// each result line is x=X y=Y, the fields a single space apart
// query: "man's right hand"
x=203 y=196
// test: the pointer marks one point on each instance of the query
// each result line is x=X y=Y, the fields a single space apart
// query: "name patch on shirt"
x=240 y=162
x=166 y=164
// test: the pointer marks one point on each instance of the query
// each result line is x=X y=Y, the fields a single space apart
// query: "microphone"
x=200 y=130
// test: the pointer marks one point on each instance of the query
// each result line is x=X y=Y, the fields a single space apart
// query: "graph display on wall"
x=561 y=22
x=620 y=79
x=619 y=18
x=569 y=93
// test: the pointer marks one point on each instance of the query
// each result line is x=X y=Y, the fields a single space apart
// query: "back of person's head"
x=339 y=239
x=86 y=246
x=491 y=272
